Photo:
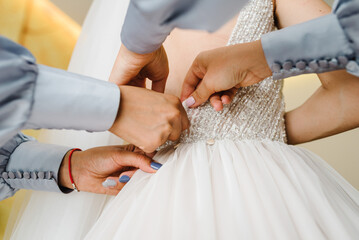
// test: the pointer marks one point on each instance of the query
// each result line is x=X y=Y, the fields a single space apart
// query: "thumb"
x=200 y=95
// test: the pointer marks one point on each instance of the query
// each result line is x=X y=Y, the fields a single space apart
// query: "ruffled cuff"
x=6 y=190
x=27 y=164
x=316 y=46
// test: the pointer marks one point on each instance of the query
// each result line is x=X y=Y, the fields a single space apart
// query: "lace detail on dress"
x=256 y=112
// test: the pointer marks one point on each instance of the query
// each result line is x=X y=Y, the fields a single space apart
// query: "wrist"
x=116 y=123
x=64 y=177
x=252 y=63
x=261 y=67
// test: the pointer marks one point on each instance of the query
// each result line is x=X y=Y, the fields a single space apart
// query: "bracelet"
x=71 y=179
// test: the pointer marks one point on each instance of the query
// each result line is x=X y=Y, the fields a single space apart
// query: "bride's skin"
x=332 y=109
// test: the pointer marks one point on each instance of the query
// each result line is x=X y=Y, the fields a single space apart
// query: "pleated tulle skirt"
x=233 y=190
x=230 y=190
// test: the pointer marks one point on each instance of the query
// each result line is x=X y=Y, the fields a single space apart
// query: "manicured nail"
x=109 y=183
x=124 y=179
x=156 y=165
x=190 y=101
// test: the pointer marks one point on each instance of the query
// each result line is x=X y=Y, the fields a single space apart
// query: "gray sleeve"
x=27 y=164
x=148 y=22
x=33 y=96
x=324 y=44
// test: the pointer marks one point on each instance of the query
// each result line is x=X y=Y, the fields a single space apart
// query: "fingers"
x=193 y=77
x=175 y=130
x=200 y=95
x=126 y=176
x=136 y=160
x=159 y=86
x=190 y=83
x=216 y=102
x=184 y=118
x=228 y=95
x=114 y=184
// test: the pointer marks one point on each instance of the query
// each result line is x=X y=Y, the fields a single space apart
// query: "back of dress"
x=256 y=112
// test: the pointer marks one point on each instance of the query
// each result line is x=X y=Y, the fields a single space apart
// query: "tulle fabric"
x=233 y=190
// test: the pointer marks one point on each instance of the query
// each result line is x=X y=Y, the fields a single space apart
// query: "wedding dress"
x=232 y=176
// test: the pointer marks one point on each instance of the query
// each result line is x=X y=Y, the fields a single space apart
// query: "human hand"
x=132 y=69
x=218 y=73
x=92 y=167
x=147 y=118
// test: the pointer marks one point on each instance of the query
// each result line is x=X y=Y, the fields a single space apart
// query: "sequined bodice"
x=256 y=112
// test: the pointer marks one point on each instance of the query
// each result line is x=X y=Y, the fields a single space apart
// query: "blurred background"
x=50 y=28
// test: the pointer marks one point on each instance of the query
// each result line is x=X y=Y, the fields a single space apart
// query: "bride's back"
x=182 y=47
x=256 y=112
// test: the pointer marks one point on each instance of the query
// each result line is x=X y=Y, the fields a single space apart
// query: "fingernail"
x=109 y=183
x=156 y=165
x=190 y=101
x=124 y=179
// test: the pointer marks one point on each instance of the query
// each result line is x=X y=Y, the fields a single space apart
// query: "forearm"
x=332 y=109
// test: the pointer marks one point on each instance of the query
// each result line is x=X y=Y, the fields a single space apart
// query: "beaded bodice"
x=256 y=112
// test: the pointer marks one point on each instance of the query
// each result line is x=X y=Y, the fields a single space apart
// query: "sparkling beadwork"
x=256 y=112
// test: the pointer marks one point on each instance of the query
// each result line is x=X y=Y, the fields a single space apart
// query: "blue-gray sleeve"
x=324 y=44
x=35 y=96
x=27 y=164
x=148 y=23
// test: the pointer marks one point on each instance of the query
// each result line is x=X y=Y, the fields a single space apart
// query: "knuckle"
x=173 y=99
x=167 y=129
x=147 y=149
x=140 y=158
x=155 y=144
x=174 y=114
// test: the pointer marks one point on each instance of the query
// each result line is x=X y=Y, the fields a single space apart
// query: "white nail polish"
x=109 y=183
x=190 y=101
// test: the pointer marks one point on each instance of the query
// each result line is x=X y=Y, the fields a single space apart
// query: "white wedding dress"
x=232 y=176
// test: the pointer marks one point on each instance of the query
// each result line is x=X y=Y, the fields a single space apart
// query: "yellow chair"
x=50 y=35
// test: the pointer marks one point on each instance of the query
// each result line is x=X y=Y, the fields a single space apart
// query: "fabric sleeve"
x=148 y=23
x=27 y=164
x=324 y=44
x=33 y=96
